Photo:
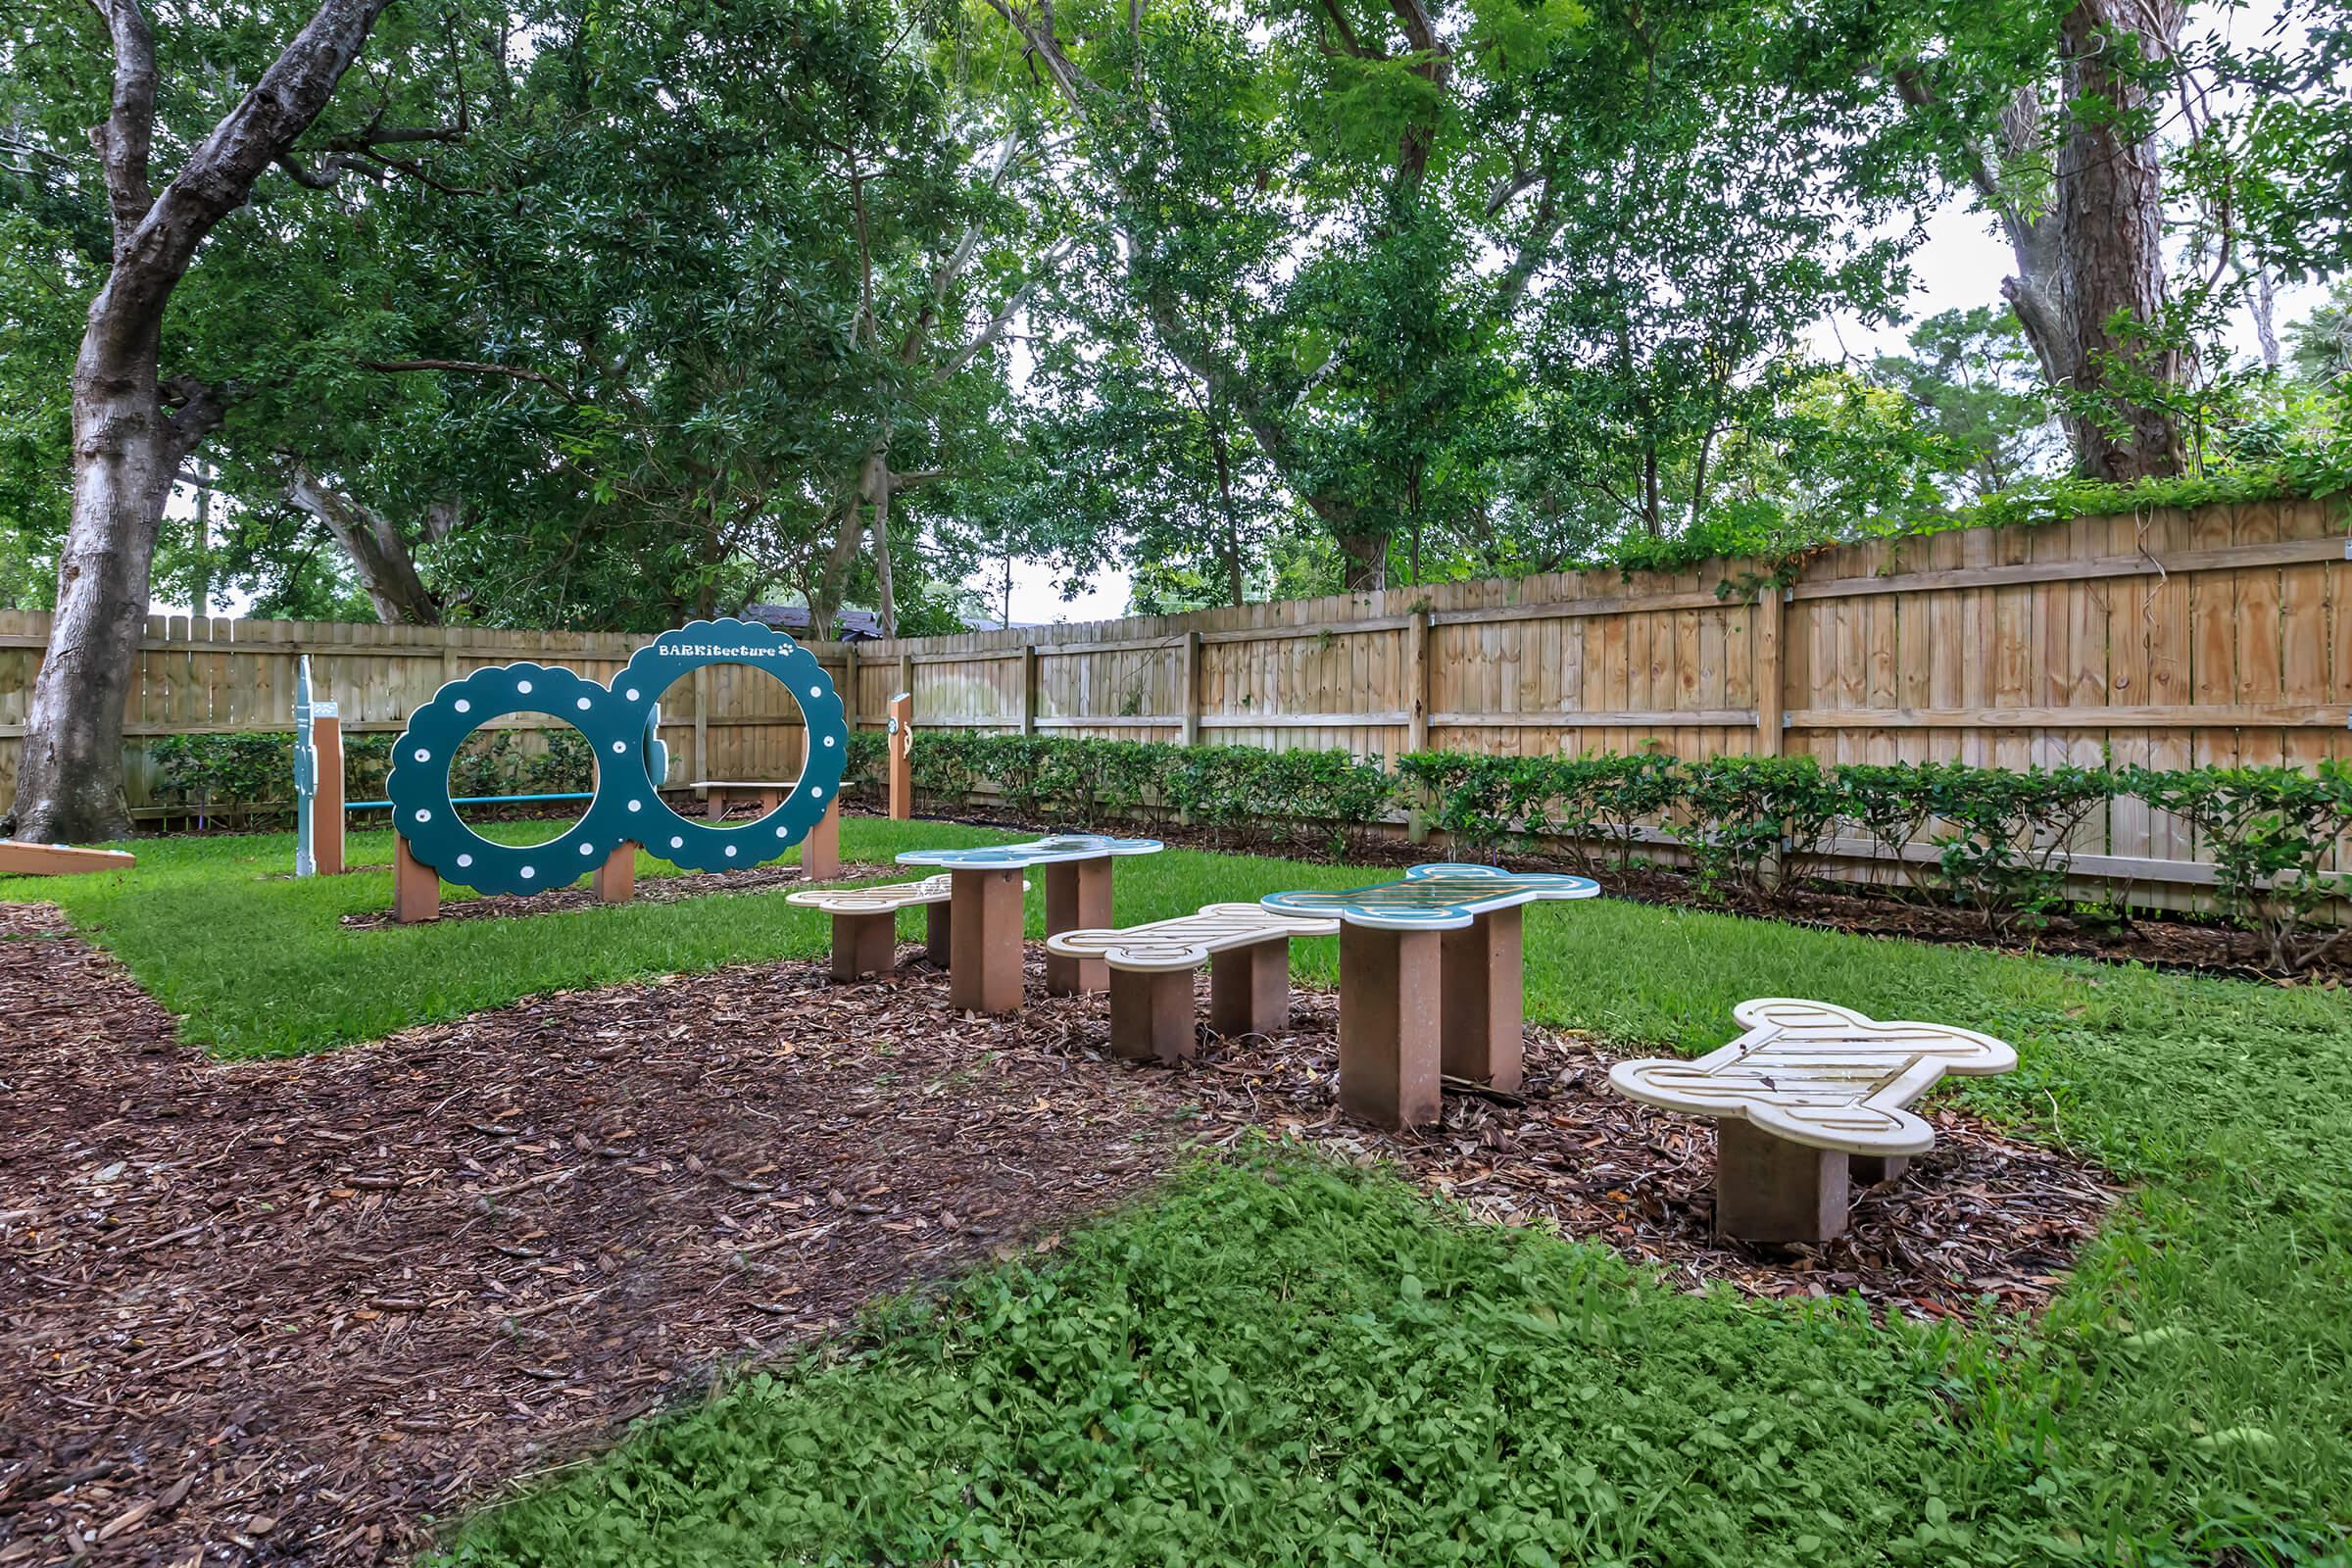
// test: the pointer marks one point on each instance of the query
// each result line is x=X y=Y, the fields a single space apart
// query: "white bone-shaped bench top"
x=1437 y=897
x=1822 y=1076
x=882 y=900
x=1038 y=852
x=874 y=900
x=1188 y=939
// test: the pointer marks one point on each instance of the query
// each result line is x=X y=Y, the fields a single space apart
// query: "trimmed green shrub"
x=2270 y=832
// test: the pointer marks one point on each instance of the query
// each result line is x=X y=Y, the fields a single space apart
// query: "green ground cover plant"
x=1325 y=1367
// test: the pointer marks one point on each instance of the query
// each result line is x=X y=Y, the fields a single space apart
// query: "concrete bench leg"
x=415 y=886
x=1388 y=984
x=938 y=922
x=1152 y=1014
x=1484 y=1004
x=1768 y=1189
x=617 y=878
x=1077 y=898
x=821 y=850
x=984 y=944
x=863 y=944
x=1869 y=1170
x=1250 y=989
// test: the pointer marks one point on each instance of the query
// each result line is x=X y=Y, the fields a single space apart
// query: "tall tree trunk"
x=378 y=552
x=2110 y=217
x=131 y=431
x=878 y=485
x=2096 y=253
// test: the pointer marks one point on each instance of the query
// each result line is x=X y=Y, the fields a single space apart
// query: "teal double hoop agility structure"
x=619 y=719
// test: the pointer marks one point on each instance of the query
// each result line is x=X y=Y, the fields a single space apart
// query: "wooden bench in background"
x=1809 y=1100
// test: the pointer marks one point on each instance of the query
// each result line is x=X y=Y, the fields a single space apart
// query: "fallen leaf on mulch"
x=285 y=1311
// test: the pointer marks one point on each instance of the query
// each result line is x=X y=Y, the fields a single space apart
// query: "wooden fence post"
x=849 y=687
x=1416 y=665
x=1029 y=688
x=701 y=721
x=1188 y=688
x=1772 y=611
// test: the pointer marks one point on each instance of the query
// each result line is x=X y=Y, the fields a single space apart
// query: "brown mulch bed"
x=290 y=1311
x=650 y=890
x=2188 y=947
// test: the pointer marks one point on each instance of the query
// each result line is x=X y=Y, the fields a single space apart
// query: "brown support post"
x=821 y=850
x=1869 y=1170
x=1484 y=1005
x=617 y=878
x=769 y=800
x=1250 y=989
x=902 y=766
x=937 y=924
x=1152 y=1014
x=1388 y=1025
x=415 y=886
x=326 y=802
x=715 y=810
x=1077 y=899
x=985 y=941
x=865 y=944
x=702 y=722
x=1768 y=1189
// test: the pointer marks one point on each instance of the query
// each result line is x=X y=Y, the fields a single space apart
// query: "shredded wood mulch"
x=650 y=890
x=297 y=1311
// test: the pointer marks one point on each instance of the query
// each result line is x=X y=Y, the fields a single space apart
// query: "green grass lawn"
x=1298 y=1364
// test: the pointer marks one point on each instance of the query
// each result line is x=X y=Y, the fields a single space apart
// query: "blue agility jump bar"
x=478 y=800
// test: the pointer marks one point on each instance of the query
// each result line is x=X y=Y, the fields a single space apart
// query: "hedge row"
x=251 y=776
x=1986 y=840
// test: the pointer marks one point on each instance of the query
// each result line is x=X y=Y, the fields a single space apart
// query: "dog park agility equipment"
x=625 y=810
x=984 y=942
x=1811 y=1099
x=1247 y=947
x=1429 y=981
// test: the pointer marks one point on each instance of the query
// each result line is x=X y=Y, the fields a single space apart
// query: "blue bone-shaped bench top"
x=1039 y=852
x=1433 y=897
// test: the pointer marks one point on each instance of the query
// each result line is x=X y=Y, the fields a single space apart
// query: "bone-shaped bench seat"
x=1247 y=946
x=1809 y=1099
x=865 y=921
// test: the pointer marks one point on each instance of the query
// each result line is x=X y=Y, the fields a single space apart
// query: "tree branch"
x=126 y=138
x=472 y=367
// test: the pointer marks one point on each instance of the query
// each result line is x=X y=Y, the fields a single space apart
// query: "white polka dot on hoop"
x=632 y=693
x=462 y=706
x=677 y=843
x=636 y=805
x=425 y=816
x=730 y=852
x=524 y=687
x=529 y=872
x=465 y=861
x=423 y=755
x=587 y=848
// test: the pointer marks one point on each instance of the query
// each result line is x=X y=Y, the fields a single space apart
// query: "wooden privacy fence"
x=220 y=677
x=2167 y=638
